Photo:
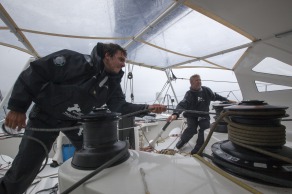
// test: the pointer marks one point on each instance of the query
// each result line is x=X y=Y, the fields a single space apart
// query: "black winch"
x=222 y=125
x=100 y=142
x=258 y=126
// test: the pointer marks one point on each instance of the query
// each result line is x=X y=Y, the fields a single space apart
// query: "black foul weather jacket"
x=66 y=85
x=198 y=101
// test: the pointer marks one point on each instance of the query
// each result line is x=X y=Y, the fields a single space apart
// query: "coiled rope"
x=252 y=136
x=256 y=135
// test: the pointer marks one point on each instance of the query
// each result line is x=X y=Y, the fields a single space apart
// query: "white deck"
x=164 y=174
x=180 y=173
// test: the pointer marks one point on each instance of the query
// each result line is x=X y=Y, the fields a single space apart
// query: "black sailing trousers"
x=30 y=157
x=191 y=130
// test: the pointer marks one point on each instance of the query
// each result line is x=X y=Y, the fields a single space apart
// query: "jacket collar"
x=192 y=90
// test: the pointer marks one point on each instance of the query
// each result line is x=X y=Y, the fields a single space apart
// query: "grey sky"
x=11 y=64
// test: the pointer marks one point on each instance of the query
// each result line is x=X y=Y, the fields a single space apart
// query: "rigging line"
x=206 y=80
x=132 y=90
x=130 y=79
x=78 y=126
x=229 y=91
x=161 y=91
x=136 y=113
x=192 y=111
x=149 y=101
x=53 y=189
x=33 y=186
x=173 y=76
x=167 y=88
x=126 y=82
x=221 y=81
x=179 y=110
x=132 y=84
x=226 y=175
x=166 y=95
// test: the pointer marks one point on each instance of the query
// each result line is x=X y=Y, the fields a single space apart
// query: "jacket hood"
x=97 y=56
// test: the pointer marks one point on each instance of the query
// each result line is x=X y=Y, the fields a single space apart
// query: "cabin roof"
x=158 y=34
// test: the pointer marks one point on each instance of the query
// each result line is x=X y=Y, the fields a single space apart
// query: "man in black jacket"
x=198 y=98
x=64 y=86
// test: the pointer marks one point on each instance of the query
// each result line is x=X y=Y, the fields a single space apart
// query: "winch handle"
x=166 y=125
x=152 y=144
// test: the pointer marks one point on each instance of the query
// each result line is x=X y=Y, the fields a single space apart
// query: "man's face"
x=196 y=83
x=115 y=63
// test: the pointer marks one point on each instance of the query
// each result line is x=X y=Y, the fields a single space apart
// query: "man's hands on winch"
x=171 y=118
x=157 y=108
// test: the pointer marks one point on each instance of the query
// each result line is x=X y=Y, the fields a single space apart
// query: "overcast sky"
x=11 y=64
x=146 y=82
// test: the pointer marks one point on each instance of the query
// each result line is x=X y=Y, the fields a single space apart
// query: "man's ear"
x=107 y=56
x=106 y=59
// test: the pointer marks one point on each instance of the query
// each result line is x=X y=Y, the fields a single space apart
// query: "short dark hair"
x=193 y=77
x=112 y=49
